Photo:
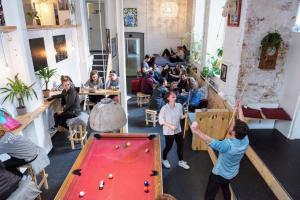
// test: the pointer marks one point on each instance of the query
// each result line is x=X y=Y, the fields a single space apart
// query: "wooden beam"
x=267 y=175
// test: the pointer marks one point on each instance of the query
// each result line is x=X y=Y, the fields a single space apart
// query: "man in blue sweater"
x=231 y=151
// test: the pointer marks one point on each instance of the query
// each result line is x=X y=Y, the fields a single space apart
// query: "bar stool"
x=142 y=99
x=77 y=129
x=151 y=116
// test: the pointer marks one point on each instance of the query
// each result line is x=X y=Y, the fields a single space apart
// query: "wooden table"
x=91 y=91
x=130 y=166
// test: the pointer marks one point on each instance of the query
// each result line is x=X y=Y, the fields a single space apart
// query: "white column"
x=121 y=55
x=205 y=35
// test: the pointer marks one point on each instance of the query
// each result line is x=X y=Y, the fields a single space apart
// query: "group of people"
x=70 y=99
x=169 y=102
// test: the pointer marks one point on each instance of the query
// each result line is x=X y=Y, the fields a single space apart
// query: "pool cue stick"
x=234 y=113
x=186 y=118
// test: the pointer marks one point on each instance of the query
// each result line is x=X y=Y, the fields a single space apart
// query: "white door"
x=132 y=47
x=93 y=13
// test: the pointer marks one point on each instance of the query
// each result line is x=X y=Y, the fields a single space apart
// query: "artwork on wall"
x=130 y=17
x=2 y=20
x=63 y=4
x=60 y=47
x=223 y=72
x=114 y=47
x=235 y=14
x=38 y=53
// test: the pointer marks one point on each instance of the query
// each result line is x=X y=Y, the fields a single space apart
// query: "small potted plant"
x=34 y=17
x=45 y=74
x=17 y=89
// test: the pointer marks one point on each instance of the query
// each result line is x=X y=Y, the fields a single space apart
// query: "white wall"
x=160 y=33
x=291 y=86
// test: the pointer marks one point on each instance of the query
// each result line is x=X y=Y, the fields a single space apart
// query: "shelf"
x=6 y=29
x=46 y=27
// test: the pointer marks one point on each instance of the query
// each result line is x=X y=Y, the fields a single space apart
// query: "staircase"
x=100 y=63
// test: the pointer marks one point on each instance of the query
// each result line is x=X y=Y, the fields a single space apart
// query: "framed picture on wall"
x=130 y=17
x=2 y=20
x=38 y=53
x=60 y=47
x=235 y=13
x=63 y=4
x=223 y=72
x=113 y=47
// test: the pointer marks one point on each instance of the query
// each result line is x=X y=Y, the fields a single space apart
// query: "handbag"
x=7 y=122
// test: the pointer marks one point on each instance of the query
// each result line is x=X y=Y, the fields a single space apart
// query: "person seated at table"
x=175 y=73
x=60 y=87
x=194 y=96
x=113 y=81
x=147 y=84
x=70 y=102
x=157 y=99
x=20 y=148
x=182 y=85
x=94 y=82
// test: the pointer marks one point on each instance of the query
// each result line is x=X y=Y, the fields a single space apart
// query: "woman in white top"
x=169 y=117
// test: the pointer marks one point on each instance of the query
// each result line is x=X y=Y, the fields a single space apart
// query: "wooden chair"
x=78 y=133
x=142 y=99
x=151 y=116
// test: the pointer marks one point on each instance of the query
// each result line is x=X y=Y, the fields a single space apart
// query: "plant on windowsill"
x=214 y=63
x=16 y=89
x=34 y=17
x=46 y=74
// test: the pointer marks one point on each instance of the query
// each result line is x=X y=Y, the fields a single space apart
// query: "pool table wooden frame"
x=158 y=189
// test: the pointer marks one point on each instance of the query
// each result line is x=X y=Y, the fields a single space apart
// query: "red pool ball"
x=146 y=150
x=146 y=189
x=128 y=144
x=117 y=146
x=110 y=176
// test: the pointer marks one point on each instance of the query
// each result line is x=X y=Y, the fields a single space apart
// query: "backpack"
x=7 y=122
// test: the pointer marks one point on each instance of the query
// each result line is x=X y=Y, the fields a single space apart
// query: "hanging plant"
x=272 y=39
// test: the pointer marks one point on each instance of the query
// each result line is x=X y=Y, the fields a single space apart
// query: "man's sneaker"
x=183 y=164
x=166 y=164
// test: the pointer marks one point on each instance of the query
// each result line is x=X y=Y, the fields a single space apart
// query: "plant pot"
x=21 y=110
x=46 y=93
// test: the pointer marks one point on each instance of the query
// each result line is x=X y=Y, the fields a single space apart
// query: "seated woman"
x=147 y=84
x=175 y=73
x=60 y=87
x=156 y=73
x=159 y=92
x=21 y=150
x=195 y=95
x=182 y=85
x=94 y=82
x=70 y=103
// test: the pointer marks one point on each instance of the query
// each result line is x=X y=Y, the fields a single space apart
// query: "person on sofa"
x=147 y=84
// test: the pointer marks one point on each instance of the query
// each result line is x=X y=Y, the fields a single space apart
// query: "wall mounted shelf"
x=6 y=29
x=47 y=27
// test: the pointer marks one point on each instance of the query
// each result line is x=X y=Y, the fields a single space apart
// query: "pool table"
x=132 y=159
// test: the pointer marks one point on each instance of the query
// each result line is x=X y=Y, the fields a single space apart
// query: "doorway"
x=93 y=16
x=134 y=48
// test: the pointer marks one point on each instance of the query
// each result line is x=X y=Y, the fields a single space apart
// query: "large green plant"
x=45 y=74
x=17 y=89
x=272 y=39
x=214 y=63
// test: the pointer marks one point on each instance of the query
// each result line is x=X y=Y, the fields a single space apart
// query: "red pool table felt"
x=130 y=166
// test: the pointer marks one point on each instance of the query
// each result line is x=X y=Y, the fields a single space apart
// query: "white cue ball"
x=81 y=193
x=110 y=176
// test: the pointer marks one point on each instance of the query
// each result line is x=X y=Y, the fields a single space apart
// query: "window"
x=296 y=27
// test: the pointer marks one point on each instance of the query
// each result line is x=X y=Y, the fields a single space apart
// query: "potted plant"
x=17 y=89
x=34 y=17
x=45 y=74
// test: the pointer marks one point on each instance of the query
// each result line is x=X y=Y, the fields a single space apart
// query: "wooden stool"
x=78 y=133
x=142 y=98
x=43 y=182
x=151 y=116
